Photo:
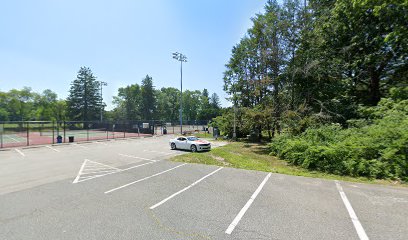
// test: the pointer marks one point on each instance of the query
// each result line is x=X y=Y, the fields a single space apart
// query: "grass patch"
x=208 y=136
x=252 y=156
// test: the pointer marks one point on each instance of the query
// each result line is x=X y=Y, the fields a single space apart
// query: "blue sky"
x=44 y=43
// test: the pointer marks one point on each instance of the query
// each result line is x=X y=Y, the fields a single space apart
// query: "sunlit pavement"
x=127 y=189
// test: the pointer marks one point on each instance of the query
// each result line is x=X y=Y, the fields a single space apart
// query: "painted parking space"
x=112 y=190
x=382 y=211
x=208 y=208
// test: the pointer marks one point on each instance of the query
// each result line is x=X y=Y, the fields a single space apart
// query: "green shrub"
x=374 y=147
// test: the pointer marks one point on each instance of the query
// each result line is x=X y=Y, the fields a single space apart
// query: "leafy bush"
x=374 y=147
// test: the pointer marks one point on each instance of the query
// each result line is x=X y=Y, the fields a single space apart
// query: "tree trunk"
x=375 y=94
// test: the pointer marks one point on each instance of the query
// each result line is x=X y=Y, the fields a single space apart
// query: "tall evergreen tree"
x=149 y=100
x=84 y=100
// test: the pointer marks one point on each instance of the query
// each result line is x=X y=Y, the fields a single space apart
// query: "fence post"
x=53 y=136
x=64 y=130
x=1 y=136
x=28 y=134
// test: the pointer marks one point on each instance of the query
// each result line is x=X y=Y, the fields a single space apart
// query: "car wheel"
x=193 y=148
x=173 y=146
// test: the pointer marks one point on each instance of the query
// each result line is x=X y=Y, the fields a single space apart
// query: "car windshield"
x=192 y=138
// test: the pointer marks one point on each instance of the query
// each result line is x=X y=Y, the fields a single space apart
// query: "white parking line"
x=130 y=156
x=78 y=145
x=17 y=150
x=357 y=225
x=109 y=173
x=247 y=205
x=154 y=175
x=53 y=148
x=163 y=153
x=184 y=189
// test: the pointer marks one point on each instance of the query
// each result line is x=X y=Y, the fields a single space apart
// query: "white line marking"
x=154 y=175
x=184 y=189
x=120 y=170
x=53 y=148
x=357 y=225
x=84 y=172
x=101 y=171
x=102 y=164
x=17 y=150
x=76 y=144
x=247 y=205
x=163 y=153
x=130 y=156
x=12 y=138
x=137 y=166
x=80 y=172
x=102 y=143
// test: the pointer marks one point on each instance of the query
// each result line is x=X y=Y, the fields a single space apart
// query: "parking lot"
x=127 y=189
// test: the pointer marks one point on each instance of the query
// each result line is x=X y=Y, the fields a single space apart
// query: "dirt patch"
x=220 y=160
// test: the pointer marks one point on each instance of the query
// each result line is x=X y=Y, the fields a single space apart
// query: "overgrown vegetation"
x=255 y=156
x=375 y=146
x=320 y=78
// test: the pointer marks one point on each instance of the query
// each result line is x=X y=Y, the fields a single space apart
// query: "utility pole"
x=182 y=58
x=101 y=84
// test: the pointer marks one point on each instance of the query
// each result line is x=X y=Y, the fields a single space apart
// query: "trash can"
x=216 y=132
x=59 y=139
x=165 y=131
x=71 y=138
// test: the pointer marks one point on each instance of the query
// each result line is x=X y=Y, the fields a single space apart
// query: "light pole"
x=102 y=84
x=182 y=58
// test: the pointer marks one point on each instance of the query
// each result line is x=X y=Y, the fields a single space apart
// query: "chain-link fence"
x=26 y=133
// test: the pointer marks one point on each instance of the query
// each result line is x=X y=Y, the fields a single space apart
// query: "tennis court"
x=28 y=133
x=40 y=138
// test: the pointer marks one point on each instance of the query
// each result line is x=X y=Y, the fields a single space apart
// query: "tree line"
x=311 y=62
x=145 y=102
x=84 y=103
x=326 y=81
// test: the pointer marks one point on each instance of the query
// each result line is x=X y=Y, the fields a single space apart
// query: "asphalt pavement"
x=128 y=189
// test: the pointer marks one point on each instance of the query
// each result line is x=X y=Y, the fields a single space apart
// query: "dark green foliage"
x=128 y=101
x=143 y=102
x=26 y=105
x=168 y=104
x=84 y=100
x=376 y=147
x=148 y=106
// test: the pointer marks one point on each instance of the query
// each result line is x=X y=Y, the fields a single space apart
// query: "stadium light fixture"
x=181 y=58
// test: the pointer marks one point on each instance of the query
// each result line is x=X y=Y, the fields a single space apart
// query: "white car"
x=190 y=143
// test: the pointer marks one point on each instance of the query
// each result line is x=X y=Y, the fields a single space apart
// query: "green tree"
x=366 y=42
x=205 y=107
x=129 y=100
x=84 y=100
x=20 y=104
x=168 y=104
x=191 y=104
x=149 y=100
x=4 y=114
x=44 y=105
